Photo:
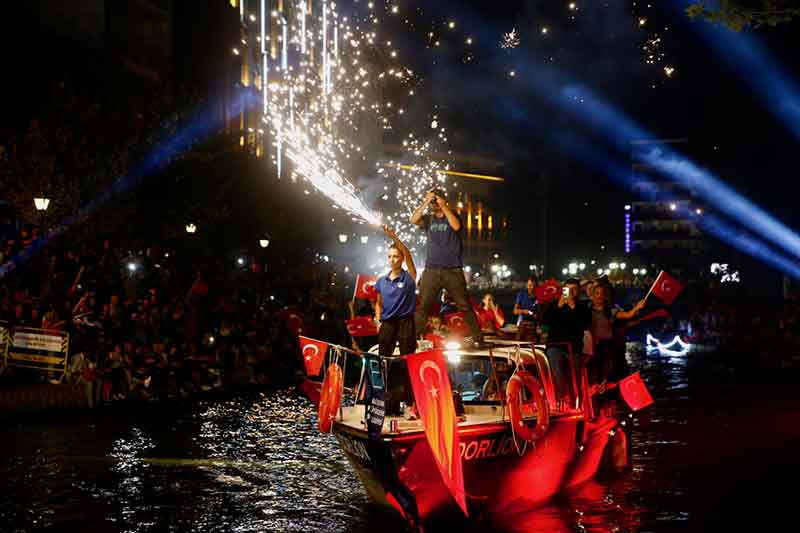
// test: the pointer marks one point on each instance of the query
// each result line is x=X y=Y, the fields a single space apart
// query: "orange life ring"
x=514 y=405
x=330 y=397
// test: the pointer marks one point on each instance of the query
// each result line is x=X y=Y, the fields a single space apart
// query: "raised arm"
x=407 y=257
x=625 y=315
x=416 y=216
x=452 y=218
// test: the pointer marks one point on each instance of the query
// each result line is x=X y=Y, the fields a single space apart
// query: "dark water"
x=719 y=448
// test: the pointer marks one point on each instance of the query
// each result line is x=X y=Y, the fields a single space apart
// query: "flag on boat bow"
x=313 y=354
x=434 y=399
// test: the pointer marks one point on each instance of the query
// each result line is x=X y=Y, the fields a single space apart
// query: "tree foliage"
x=739 y=14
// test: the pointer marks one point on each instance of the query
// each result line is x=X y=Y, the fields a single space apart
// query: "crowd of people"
x=150 y=324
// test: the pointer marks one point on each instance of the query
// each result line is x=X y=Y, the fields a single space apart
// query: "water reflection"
x=258 y=463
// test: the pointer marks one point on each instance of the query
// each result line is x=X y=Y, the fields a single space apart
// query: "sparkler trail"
x=324 y=105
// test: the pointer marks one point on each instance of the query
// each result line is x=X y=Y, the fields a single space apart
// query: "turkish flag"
x=455 y=323
x=434 y=399
x=635 y=392
x=666 y=288
x=362 y=326
x=365 y=287
x=313 y=354
x=548 y=291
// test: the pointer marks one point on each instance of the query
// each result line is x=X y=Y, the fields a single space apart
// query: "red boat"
x=501 y=469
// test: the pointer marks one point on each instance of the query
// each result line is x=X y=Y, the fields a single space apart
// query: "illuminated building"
x=661 y=224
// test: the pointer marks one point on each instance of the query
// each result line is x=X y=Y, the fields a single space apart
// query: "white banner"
x=37 y=341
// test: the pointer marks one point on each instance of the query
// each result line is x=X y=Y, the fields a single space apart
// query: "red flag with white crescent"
x=635 y=392
x=362 y=326
x=456 y=323
x=434 y=399
x=365 y=287
x=313 y=354
x=666 y=288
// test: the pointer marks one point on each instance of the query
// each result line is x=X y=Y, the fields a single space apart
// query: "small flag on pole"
x=313 y=354
x=635 y=392
x=362 y=326
x=365 y=287
x=666 y=288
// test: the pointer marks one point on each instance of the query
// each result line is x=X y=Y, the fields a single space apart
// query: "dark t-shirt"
x=443 y=246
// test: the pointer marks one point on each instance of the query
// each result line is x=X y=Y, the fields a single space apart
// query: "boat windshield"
x=474 y=380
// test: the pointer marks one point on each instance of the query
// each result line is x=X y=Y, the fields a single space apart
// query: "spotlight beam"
x=204 y=123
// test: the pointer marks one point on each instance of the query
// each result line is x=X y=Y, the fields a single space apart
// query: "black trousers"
x=452 y=280
x=397 y=330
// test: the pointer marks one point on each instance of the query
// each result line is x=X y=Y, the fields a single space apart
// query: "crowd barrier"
x=35 y=348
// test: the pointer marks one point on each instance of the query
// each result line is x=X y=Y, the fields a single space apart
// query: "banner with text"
x=39 y=349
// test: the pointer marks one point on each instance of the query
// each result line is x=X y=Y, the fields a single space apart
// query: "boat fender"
x=330 y=397
x=514 y=388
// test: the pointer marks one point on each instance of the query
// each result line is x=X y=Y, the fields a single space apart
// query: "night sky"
x=600 y=45
x=729 y=130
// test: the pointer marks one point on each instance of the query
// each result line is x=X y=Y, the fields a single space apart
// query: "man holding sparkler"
x=443 y=263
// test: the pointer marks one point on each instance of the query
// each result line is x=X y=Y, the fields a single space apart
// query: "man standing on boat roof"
x=444 y=268
x=397 y=299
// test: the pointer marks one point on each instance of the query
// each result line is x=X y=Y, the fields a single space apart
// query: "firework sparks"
x=322 y=88
x=510 y=39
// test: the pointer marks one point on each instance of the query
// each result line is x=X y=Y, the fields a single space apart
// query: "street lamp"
x=41 y=203
x=635 y=271
x=342 y=238
x=191 y=228
x=364 y=239
x=263 y=243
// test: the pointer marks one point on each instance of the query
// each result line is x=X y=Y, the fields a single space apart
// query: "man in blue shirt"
x=443 y=265
x=525 y=305
x=397 y=299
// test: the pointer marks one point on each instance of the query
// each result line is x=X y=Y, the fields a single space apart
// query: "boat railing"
x=566 y=386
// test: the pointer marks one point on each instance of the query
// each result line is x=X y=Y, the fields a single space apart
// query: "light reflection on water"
x=258 y=463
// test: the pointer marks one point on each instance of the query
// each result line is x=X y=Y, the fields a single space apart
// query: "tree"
x=739 y=14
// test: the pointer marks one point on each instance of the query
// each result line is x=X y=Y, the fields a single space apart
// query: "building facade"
x=661 y=223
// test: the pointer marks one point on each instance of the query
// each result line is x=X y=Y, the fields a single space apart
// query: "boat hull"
x=499 y=472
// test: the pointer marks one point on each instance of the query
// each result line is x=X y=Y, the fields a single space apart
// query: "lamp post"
x=263 y=243
x=342 y=238
x=191 y=228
